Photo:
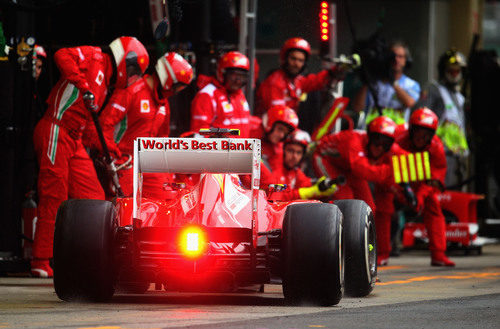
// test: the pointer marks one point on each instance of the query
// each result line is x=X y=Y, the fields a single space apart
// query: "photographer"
x=395 y=92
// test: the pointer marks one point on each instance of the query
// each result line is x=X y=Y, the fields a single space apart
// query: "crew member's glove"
x=343 y=65
x=317 y=191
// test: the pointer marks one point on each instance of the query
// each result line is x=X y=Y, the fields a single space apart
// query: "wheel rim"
x=370 y=249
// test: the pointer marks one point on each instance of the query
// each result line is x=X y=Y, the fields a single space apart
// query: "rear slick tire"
x=83 y=250
x=360 y=248
x=312 y=254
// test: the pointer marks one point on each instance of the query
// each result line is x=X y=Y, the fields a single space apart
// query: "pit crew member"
x=286 y=85
x=66 y=170
x=421 y=137
x=221 y=103
x=142 y=110
x=298 y=185
x=360 y=157
x=276 y=125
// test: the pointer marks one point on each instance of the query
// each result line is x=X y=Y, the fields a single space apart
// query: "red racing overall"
x=213 y=106
x=427 y=195
x=279 y=89
x=294 y=179
x=345 y=153
x=136 y=112
x=66 y=170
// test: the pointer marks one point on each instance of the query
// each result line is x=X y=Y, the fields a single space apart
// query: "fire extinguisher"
x=28 y=216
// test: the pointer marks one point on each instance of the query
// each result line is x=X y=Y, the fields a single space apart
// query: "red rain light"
x=192 y=241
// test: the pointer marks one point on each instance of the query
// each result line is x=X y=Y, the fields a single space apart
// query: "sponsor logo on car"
x=196 y=145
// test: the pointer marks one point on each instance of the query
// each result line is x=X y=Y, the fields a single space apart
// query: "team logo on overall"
x=100 y=78
x=145 y=106
x=227 y=107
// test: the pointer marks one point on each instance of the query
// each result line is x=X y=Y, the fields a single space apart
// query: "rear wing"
x=195 y=155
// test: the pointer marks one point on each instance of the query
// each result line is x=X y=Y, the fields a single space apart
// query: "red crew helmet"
x=424 y=117
x=294 y=44
x=231 y=60
x=174 y=72
x=131 y=58
x=299 y=137
x=384 y=126
x=280 y=113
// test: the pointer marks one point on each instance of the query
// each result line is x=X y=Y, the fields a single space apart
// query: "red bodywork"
x=463 y=227
x=149 y=248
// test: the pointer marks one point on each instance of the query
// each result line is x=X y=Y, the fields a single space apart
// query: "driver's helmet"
x=294 y=44
x=174 y=72
x=131 y=58
x=231 y=60
x=280 y=113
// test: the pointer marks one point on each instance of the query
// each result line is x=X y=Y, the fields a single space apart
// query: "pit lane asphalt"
x=410 y=294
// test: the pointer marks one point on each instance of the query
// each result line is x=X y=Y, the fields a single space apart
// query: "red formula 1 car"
x=214 y=235
x=460 y=211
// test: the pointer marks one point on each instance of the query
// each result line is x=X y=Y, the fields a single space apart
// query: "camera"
x=376 y=58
